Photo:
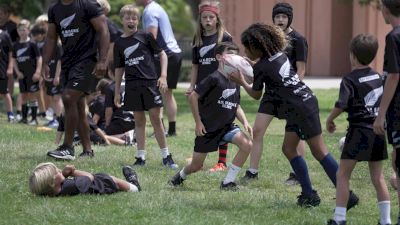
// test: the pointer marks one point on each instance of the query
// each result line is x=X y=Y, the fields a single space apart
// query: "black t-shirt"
x=5 y=49
x=114 y=30
x=219 y=99
x=204 y=55
x=360 y=95
x=391 y=64
x=136 y=54
x=297 y=50
x=97 y=106
x=26 y=54
x=282 y=82
x=118 y=113
x=54 y=59
x=75 y=29
x=40 y=45
x=11 y=28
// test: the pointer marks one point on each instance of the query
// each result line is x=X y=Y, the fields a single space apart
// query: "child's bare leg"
x=124 y=185
x=244 y=144
x=159 y=131
x=195 y=165
x=114 y=140
x=378 y=180
x=140 y=126
x=343 y=181
x=260 y=126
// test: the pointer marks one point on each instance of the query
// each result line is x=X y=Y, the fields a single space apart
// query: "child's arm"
x=70 y=170
x=330 y=124
x=193 y=79
x=118 y=78
x=194 y=105
x=16 y=69
x=36 y=75
x=101 y=133
x=241 y=116
x=162 y=81
x=56 y=80
x=59 y=135
x=391 y=83
x=10 y=65
x=238 y=78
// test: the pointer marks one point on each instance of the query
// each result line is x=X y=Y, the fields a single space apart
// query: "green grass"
x=199 y=201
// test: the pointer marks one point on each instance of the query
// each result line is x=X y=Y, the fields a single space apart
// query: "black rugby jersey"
x=75 y=29
x=26 y=54
x=360 y=95
x=298 y=48
x=219 y=99
x=282 y=82
x=136 y=54
x=204 y=55
x=97 y=106
x=5 y=49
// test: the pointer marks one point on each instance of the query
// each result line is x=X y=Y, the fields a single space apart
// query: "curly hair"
x=268 y=39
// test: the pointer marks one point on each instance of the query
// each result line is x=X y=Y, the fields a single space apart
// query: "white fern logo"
x=67 y=21
x=284 y=71
x=128 y=51
x=21 y=51
x=203 y=51
x=227 y=93
x=373 y=96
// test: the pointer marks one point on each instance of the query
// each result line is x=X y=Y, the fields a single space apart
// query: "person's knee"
x=245 y=144
x=377 y=180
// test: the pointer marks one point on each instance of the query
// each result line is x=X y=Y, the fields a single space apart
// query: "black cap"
x=283 y=8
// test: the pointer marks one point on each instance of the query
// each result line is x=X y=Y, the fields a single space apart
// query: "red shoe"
x=218 y=167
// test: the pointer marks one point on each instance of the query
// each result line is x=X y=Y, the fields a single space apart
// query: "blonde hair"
x=129 y=9
x=24 y=23
x=42 y=178
x=42 y=19
x=104 y=5
x=220 y=27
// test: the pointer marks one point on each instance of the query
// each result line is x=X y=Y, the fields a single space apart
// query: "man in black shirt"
x=76 y=22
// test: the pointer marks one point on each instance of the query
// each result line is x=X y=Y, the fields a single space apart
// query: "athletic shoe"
x=384 y=224
x=168 y=161
x=24 y=121
x=53 y=124
x=18 y=117
x=310 y=200
x=176 y=180
x=33 y=123
x=89 y=153
x=292 y=180
x=332 y=222
x=231 y=186
x=172 y=134
x=11 y=119
x=49 y=114
x=139 y=162
x=353 y=200
x=76 y=140
x=130 y=138
x=248 y=176
x=131 y=176
x=218 y=167
x=62 y=152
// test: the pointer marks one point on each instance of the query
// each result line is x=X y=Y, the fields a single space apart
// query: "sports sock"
x=141 y=154
x=24 y=111
x=340 y=214
x=222 y=150
x=253 y=171
x=164 y=152
x=34 y=109
x=10 y=114
x=330 y=166
x=172 y=127
x=384 y=212
x=183 y=174
x=132 y=188
x=232 y=173
x=299 y=166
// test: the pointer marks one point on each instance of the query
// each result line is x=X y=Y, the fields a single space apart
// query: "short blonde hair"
x=104 y=5
x=42 y=179
x=42 y=19
x=24 y=23
x=129 y=10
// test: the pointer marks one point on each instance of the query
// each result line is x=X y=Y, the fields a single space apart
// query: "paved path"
x=313 y=83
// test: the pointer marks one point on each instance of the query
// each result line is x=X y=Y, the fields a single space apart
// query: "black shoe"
x=292 y=180
x=131 y=176
x=379 y=223
x=248 y=176
x=168 y=161
x=332 y=222
x=76 y=141
x=353 y=200
x=172 y=134
x=231 y=186
x=310 y=200
x=139 y=162
x=63 y=152
x=24 y=121
x=176 y=180
x=89 y=153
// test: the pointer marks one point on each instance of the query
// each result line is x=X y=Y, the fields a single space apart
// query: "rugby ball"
x=341 y=143
x=232 y=63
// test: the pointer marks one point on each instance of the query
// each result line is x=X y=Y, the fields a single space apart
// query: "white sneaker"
x=18 y=117
x=49 y=114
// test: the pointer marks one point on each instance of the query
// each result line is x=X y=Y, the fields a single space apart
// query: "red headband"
x=210 y=8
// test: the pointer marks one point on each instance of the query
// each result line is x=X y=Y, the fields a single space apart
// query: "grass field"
x=265 y=201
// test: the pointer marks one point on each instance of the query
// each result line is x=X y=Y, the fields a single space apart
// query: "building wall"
x=328 y=26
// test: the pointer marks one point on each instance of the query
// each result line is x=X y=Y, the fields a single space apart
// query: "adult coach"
x=156 y=21
x=76 y=22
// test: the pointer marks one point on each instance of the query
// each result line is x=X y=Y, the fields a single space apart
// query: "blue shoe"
x=168 y=161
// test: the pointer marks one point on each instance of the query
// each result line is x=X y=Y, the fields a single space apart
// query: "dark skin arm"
x=100 y=25
x=48 y=48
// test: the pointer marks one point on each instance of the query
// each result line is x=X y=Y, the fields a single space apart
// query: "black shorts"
x=174 y=69
x=79 y=76
x=305 y=127
x=393 y=128
x=3 y=86
x=211 y=140
x=142 y=98
x=271 y=107
x=362 y=144
x=119 y=126
x=26 y=85
x=52 y=90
